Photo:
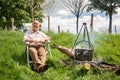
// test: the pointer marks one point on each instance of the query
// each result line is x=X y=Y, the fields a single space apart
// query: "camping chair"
x=47 y=46
x=29 y=60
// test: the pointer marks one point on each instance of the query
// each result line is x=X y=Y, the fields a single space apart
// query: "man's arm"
x=29 y=40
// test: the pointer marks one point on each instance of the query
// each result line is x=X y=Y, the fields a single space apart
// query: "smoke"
x=93 y=36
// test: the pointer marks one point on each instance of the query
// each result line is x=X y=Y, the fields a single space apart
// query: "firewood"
x=87 y=66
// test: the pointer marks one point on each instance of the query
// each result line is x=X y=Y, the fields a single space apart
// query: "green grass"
x=13 y=64
x=109 y=48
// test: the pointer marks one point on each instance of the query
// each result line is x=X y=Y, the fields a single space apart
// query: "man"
x=36 y=38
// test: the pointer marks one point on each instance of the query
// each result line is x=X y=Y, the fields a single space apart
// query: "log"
x=87 y=66
x=99 y=66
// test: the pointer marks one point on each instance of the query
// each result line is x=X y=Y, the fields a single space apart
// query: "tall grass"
x=13 y=64
x=109 y=48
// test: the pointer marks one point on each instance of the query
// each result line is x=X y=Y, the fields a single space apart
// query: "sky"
x=67 y=21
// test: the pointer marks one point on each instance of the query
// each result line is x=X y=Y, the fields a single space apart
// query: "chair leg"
x=27 y=55
x=49 y=51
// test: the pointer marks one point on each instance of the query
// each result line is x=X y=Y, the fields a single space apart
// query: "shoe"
x=45 y=68
x=35 y=67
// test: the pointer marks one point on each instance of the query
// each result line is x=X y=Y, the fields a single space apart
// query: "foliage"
x=20 y=10
x=108 y=48
x=35 y=8
x=49 y=7
x=13 y=64
x=12 y=9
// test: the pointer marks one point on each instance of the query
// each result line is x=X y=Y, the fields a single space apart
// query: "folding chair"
x=29 y=60
x=47 y=46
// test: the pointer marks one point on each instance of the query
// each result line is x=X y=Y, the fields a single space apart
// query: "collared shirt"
x=35 y=36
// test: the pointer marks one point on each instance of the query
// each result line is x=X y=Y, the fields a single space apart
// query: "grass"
x=13 y=64
x=109 y=48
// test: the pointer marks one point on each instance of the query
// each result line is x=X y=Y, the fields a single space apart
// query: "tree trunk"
x=77 y=23
x=110 y=22
x=8 y=25
x=12 y=23
x=58 y=28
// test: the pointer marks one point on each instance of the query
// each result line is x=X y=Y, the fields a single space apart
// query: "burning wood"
x=99 y=66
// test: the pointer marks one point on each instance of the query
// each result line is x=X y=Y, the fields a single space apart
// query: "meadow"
x=13 y=64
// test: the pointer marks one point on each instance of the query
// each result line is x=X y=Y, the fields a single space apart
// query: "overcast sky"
x=59 y=16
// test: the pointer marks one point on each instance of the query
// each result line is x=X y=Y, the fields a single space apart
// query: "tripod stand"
x=83 y=54
x=85 y=35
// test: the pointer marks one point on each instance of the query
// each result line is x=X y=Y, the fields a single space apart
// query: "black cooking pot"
x=85 y=53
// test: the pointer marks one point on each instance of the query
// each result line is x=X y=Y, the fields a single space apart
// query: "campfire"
x=83 y=53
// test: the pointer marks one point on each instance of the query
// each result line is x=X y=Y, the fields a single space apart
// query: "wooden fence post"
x=12 y=19
x=58 y=28
x=91 y=24
x=48 y=23
x=40 y=27
x=115 y=29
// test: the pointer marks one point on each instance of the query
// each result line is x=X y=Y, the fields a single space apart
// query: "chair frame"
x=47 y=47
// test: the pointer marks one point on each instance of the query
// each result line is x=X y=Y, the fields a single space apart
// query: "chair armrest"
x=27 y=43
x=47 y=41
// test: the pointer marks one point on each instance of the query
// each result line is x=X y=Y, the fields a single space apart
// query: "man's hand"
x=36 y=41
x=43 y=40
x=47 y=39
x=32 y=41
x=29 y=40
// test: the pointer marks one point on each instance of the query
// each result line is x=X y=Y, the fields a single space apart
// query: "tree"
x=21 y=11
x=12 y=9
x=109 y=6
x=76 y=7
x=35 y=9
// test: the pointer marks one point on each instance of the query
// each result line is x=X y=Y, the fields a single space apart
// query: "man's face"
x=35 y=25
